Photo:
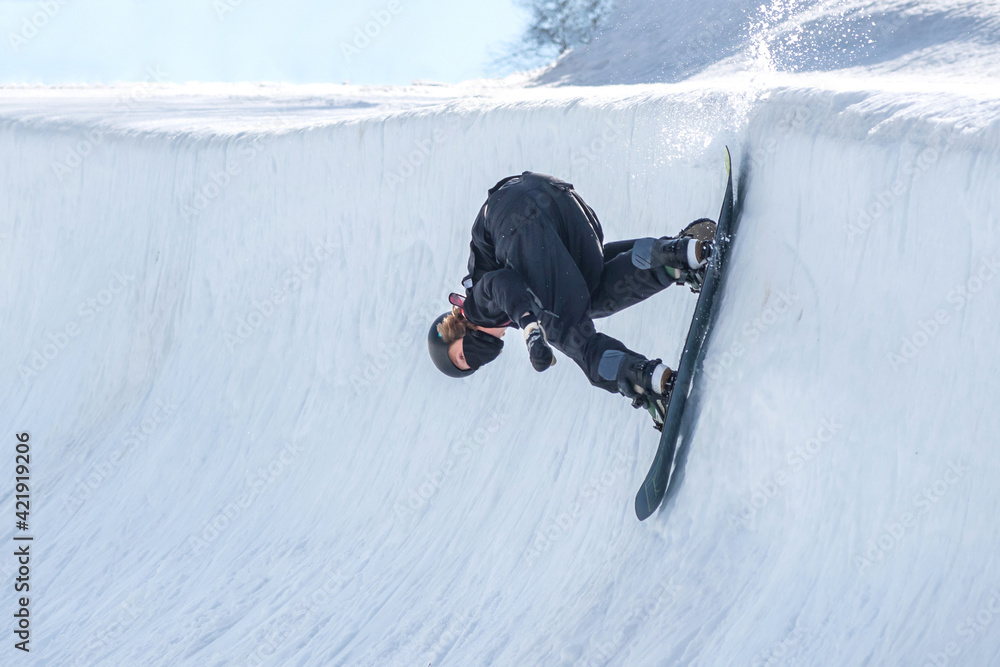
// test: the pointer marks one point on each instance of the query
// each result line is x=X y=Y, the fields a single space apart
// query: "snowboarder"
x=538 y=262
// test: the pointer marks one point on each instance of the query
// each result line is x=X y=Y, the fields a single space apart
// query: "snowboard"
x=660 y=475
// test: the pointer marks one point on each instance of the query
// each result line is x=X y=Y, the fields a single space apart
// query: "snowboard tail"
x=658 y=480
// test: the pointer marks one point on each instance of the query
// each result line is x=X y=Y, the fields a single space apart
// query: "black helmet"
x=439 y=352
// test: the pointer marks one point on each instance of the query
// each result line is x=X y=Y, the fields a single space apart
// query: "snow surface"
x=214 y=316
x=673 y=40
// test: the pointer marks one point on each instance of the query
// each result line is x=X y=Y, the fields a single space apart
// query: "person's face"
x=456 y=352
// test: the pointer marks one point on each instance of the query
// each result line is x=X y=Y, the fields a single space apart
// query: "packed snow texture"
x=215 y=334
x=672 y=40
x=214 y=318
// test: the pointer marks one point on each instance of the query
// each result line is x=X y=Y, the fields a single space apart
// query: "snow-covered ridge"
x=648 y=41
x=213 y=326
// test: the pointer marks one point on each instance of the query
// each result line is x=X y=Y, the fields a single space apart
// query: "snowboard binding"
x=655 y=405
x=703 y=230
x=649 y=399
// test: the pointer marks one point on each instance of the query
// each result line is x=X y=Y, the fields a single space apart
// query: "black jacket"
x=536 y=247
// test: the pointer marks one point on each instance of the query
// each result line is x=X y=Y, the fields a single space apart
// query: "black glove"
x=538 y=347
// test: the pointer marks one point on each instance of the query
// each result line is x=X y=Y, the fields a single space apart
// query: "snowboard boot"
x=702 y=231
x=648 y=383
x=680 y=253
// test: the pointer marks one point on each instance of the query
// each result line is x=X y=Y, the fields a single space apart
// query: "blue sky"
x=301 y=41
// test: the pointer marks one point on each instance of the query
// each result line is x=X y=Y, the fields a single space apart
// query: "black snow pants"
x=538 y=245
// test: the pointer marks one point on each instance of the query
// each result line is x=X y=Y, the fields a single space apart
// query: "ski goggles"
x=480 y=348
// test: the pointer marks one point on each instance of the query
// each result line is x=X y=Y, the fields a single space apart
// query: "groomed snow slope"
x=645 y=41
x=213 y=327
